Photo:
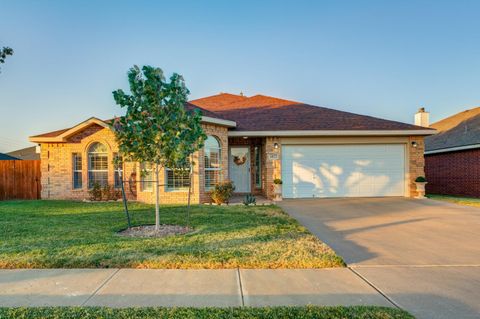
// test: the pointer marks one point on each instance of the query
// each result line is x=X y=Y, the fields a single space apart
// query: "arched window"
x=97 y=165
x=213 y=161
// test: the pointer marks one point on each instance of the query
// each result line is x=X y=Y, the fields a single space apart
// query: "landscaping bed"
x=68 y=234
x=309 y=312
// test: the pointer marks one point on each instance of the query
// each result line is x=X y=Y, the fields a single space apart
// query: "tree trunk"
x=189 y=190
x=189 y=196
x=157 y=200
x=124 y=198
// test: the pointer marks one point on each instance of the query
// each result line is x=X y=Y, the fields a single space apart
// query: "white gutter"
x=213 y=120
x=453 y=149
x=333 y=133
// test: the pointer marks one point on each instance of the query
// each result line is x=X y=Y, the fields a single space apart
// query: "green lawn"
x=467 y=201
x=66 y=234
x=309 y=312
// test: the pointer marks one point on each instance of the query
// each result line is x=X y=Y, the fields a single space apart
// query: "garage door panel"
x=343 y=170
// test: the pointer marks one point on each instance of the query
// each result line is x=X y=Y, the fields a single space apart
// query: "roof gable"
x=61 y=136
x=457 y=131
x=456 y=119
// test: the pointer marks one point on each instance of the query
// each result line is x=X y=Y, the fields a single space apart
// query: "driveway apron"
x=423 y=255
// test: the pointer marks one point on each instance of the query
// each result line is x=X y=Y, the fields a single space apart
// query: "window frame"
x=77 y=183
x=149 y=171
x=90 y=155
x=216 y=170
x=169 y=188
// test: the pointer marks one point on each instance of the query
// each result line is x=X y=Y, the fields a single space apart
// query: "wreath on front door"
x=239 y=160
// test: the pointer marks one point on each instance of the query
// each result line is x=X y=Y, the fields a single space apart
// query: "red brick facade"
x=454 y=173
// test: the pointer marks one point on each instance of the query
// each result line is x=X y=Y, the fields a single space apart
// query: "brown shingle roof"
x=218 y=100
x=188 y=106
x=265 y=113
x=53 y=133
x=461 y=129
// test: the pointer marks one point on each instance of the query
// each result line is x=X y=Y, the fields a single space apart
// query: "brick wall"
x=273 y=164
x=454 y=173
x=57 y=174
x=221 y=133
x=57 y=164
x=416 y=162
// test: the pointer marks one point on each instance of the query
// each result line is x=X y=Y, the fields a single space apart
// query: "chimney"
x=422 y=118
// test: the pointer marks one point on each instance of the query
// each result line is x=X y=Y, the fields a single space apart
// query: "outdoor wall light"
x=245 y=137
x=275 y=146
x=414 y=144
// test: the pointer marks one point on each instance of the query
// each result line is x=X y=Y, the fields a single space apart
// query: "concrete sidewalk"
x=198 y=288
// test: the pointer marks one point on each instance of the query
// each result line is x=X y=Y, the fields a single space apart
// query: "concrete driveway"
x=423 y=255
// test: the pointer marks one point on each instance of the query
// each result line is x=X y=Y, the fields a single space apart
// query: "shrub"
x=222 y=192
x=249 y=199
x=95 y=192
x=277 y=181
x=110 y=193
x=421 y=179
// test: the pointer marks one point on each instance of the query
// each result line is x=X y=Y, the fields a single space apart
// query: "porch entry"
x=239 y=168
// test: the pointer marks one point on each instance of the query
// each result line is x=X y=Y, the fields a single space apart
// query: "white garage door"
x=343 y=170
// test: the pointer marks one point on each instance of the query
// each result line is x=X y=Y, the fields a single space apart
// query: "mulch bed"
x=149 y=231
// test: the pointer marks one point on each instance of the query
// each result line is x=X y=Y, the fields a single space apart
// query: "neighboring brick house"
x=452 y=156
x=316 y=151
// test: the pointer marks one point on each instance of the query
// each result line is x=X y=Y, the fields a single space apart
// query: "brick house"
x=316 y=151
x=452 y=156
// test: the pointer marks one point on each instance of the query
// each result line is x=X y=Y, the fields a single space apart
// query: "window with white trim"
x=146 y=177
x=77 y=170
x=177 y=179
x=97 y=165
x=213 y=161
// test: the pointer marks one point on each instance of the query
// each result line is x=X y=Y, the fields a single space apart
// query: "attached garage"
x=355 y=170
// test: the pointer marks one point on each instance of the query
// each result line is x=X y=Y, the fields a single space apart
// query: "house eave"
x=453 y=149
x=333 y=133
x=212 y=120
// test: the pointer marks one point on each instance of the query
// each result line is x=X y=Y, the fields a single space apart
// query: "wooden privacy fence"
x=20 y=179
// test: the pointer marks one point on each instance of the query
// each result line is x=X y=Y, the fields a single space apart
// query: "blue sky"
x=381 y=58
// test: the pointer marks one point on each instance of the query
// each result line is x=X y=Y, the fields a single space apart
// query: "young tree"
x=156 y=127
x=4 y=53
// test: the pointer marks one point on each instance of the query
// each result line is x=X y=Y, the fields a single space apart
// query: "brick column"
x=416 y=162
x=272 y=167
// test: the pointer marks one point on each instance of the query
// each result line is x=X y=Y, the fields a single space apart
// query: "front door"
x=239 y=167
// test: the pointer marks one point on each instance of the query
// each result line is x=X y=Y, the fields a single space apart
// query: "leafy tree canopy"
x=6 y=51
x=157 y=128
